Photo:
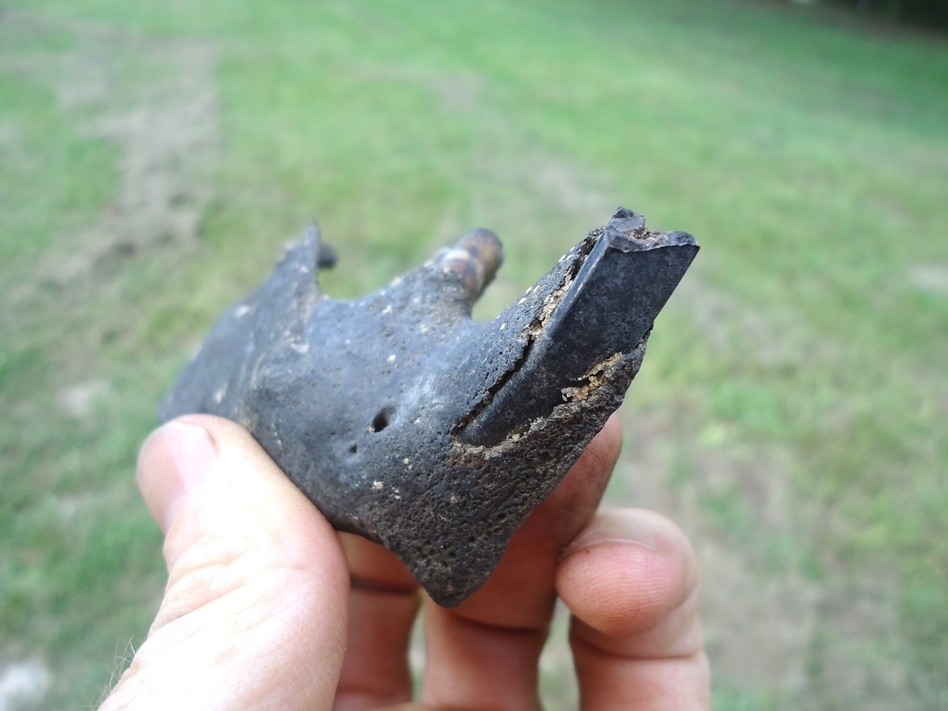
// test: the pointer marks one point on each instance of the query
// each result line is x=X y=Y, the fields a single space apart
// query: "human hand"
x=259 y=612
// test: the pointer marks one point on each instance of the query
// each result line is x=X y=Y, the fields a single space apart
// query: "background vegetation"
x=926 y=13
x=792 y=410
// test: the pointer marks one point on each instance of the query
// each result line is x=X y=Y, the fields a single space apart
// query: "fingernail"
x=613 y=528
x=172 y=464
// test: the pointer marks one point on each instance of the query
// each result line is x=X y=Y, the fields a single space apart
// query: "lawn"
x=791 y=414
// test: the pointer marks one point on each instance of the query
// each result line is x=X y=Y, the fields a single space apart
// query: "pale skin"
x=267 y=607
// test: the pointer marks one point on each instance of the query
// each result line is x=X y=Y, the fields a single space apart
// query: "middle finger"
x=489 y=645
x=383 y=603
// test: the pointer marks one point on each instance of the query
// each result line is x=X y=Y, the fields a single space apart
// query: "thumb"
x=254 y=613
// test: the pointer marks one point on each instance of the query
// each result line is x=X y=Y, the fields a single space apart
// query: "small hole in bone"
x=380 y=421
x=353 y=448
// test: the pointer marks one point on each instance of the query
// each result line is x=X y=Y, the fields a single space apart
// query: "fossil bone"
x=405 y=421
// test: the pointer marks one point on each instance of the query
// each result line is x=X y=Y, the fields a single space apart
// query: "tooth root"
x=475 y=258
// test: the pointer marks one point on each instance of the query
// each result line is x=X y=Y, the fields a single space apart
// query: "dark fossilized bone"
x=405 y=421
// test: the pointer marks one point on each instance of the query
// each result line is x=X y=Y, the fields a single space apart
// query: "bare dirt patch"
x=157 y=100
x=24 y=682
x=932 y=278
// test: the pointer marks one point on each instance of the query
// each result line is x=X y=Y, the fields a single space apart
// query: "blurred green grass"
x=809 y=157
